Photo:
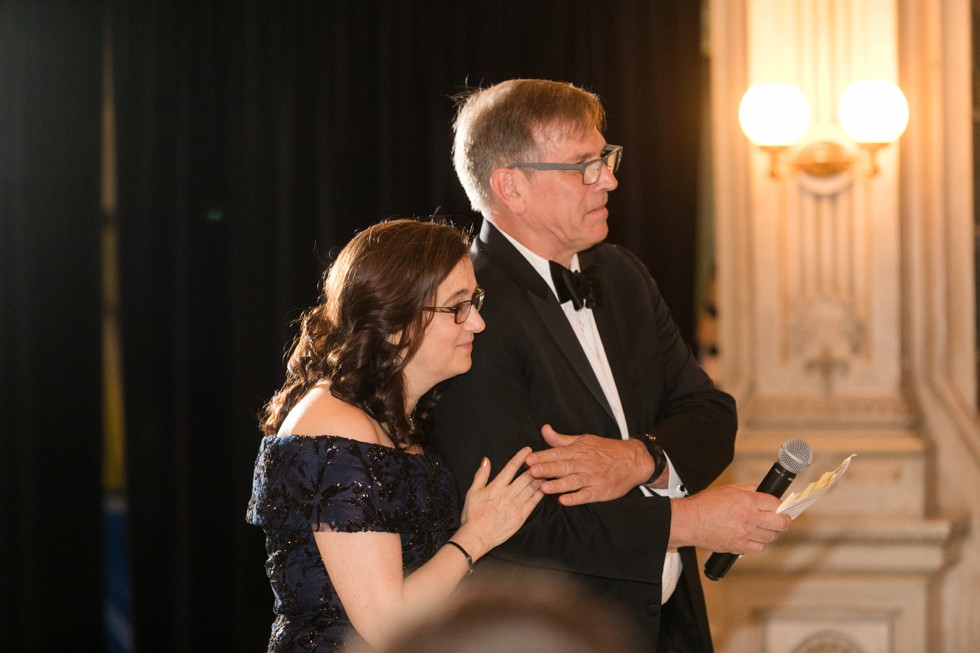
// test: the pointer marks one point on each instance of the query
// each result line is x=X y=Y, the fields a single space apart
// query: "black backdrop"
x=254 y=139
x=50 y=394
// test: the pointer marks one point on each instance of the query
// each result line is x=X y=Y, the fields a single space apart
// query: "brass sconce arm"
x=776 y=116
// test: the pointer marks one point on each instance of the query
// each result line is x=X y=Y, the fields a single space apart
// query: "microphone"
x=794 y=456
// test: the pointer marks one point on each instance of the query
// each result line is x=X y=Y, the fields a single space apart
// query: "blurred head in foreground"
x=533 y=613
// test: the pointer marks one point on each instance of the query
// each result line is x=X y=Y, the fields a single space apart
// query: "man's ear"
x=509 y=188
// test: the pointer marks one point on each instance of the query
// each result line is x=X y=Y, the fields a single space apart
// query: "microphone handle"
x=775 y=483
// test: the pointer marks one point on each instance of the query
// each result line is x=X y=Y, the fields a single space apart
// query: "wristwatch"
x=656 y=452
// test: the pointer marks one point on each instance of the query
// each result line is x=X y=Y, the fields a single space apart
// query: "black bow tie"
x=582 y=288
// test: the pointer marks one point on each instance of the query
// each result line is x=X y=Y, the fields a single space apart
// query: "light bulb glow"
x=873 y=111
x=774 y=115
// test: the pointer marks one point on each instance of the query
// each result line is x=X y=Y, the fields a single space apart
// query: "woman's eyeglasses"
x=460 y=311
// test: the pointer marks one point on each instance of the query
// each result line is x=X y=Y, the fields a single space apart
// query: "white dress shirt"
x=584 y=325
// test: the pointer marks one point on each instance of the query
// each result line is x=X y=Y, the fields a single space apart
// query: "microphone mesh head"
x=795 y=455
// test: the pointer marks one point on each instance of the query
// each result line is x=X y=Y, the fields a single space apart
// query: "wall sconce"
x=873 y=113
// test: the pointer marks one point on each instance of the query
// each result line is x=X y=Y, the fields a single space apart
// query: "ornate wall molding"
x=846 y=318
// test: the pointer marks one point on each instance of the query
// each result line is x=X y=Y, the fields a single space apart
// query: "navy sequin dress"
x=307 y=483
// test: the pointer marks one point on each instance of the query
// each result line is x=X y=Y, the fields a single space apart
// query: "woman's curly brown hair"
x=369 y=321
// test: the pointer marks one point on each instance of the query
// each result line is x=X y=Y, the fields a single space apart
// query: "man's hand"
x=727 y=519
x=588 y=468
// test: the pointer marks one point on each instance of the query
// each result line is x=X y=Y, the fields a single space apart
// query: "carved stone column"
x=813 y=340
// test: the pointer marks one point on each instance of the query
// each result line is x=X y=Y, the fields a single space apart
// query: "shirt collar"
x=539 y=263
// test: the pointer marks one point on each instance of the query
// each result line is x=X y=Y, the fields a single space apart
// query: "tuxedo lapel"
x=496 y=246
x=561 y=331
x=607 y=317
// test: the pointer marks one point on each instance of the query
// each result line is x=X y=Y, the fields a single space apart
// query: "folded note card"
x=797 y=502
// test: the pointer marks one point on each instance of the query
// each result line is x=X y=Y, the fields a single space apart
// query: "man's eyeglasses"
x=591 y=170
x=460 y=311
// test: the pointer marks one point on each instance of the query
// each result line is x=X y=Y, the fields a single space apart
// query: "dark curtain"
x=254 y=139
x=50 y=393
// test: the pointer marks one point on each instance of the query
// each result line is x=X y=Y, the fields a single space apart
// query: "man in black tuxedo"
x=579 y=341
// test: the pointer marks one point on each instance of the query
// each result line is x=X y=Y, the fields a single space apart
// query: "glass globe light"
x=773 y=114
x=873 y=111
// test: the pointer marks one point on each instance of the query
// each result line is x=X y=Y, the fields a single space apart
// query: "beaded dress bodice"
x=303 y=484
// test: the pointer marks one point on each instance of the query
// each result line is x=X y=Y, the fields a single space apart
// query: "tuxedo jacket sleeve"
x=529 y=369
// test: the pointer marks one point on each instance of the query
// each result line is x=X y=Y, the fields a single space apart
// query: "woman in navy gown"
x=363 y=525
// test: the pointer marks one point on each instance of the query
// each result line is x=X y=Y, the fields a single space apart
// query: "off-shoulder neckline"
x=425 y=449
